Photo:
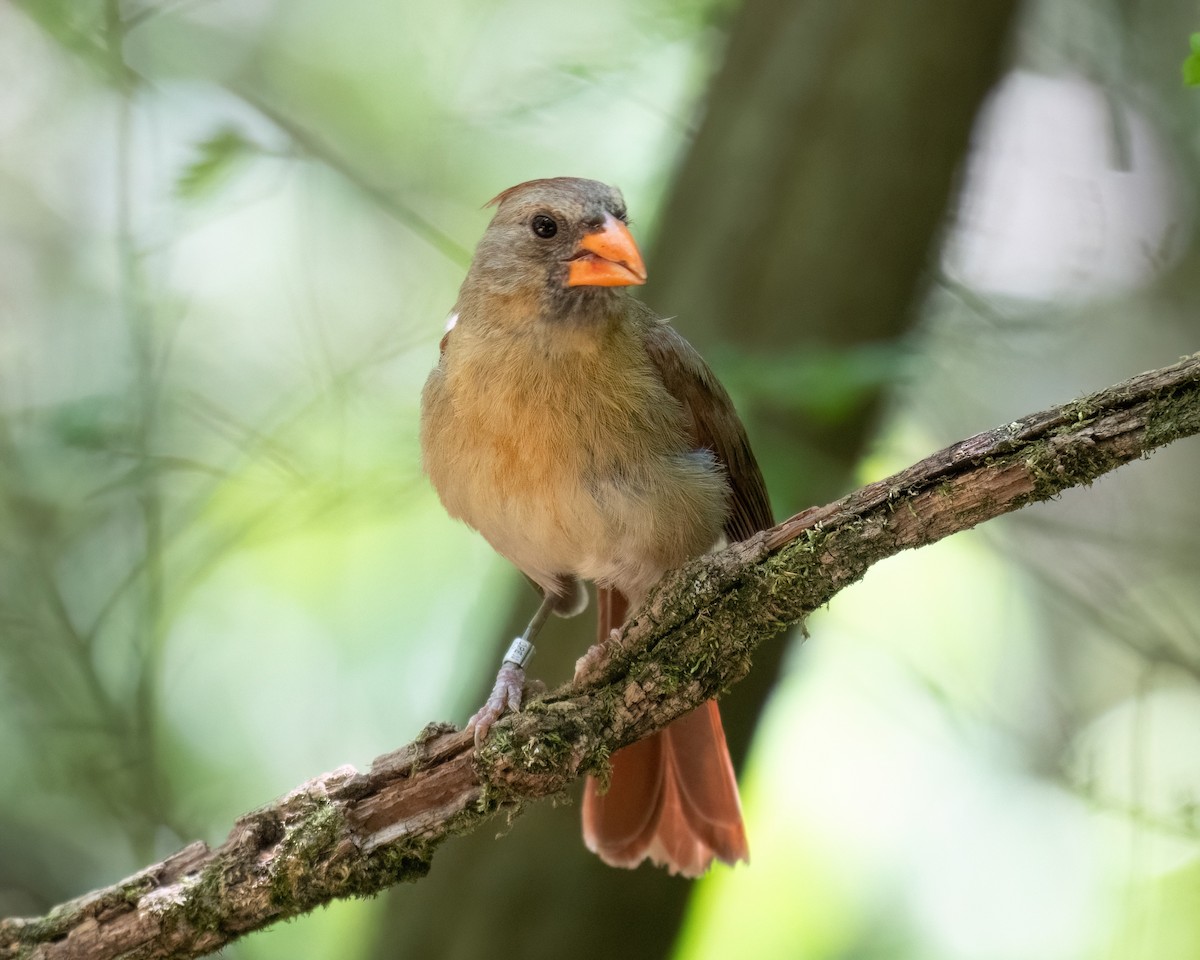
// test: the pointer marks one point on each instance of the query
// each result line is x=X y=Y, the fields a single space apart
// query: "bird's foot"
x=591 y=664
x=506 y=697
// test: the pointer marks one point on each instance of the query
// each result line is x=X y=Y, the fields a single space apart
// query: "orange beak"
x=607 y=258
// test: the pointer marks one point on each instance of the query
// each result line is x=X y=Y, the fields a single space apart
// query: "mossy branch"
x=348 y=833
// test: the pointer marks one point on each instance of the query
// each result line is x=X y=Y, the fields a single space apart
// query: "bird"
x=586 y=440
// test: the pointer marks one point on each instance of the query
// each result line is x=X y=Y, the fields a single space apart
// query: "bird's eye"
x=543 y=226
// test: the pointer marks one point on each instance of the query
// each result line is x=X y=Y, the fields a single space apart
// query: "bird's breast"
x=570 y=462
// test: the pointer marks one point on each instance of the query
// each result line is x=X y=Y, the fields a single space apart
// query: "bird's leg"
x=510 y=678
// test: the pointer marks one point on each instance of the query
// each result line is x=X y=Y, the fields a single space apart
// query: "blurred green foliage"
x=216 y=157
x=230 y=235
x=1191 y=66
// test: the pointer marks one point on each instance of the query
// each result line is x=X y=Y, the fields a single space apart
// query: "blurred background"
x=230 y=233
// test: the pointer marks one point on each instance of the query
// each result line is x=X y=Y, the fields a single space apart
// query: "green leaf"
x=97 y=423
x=215 y=159
x=1191 y=66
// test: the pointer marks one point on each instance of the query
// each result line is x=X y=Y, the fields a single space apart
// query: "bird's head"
x=563 y=242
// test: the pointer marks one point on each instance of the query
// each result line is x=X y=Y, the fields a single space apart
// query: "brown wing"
x=673 y=796
x=714 y=426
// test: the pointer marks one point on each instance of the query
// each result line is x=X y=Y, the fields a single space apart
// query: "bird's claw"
x=505 y=698
x=589 y=666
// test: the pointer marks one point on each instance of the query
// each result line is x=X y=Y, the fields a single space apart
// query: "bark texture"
x=348 y=833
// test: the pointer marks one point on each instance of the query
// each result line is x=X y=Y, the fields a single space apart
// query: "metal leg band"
x=520 y=652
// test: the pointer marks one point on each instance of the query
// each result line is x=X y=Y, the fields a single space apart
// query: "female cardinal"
x=586 y=440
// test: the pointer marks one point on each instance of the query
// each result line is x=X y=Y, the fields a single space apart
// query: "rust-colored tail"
x=672 y=797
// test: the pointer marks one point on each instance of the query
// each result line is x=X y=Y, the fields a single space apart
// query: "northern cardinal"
x=587 y=440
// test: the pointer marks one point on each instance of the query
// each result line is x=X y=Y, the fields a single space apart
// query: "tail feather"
x=672 y=797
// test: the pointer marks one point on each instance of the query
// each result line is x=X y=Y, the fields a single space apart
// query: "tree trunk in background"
x=801 y=216
x=807 y=209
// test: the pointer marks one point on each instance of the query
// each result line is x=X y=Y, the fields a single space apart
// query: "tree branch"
x=348 y=833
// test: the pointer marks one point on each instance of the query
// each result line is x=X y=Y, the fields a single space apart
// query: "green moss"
x=1055 y=468
x=397 y=863
x=317 y=861
x=489 y=800
x=431 y=731
x=499 y=744
x=48 y=929
x=1081 y=411
x=600 y=766
x=205 y=903
x=1173 y=415
x=59 y=922
x=305 y=845
x=548 y=753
